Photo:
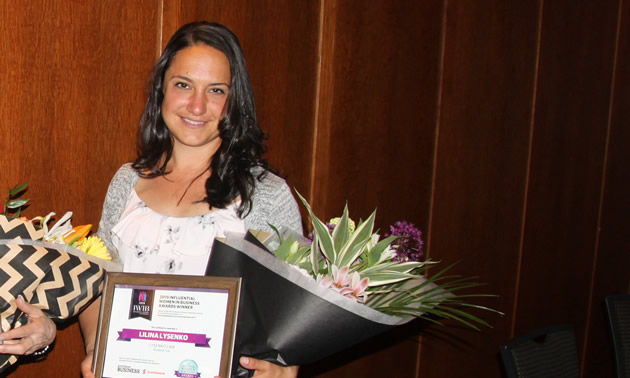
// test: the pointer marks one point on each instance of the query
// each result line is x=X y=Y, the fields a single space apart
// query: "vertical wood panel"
x=481 y=170
x=279 y=40
x=72 y=75
x=571 y=123
x=375 y=134
x=382 y=75
x=612 y=274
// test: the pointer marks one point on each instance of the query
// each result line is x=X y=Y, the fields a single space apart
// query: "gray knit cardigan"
x=272 y=203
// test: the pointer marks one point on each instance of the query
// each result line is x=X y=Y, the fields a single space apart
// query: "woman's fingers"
x=265 y=369
x=38 y=333
x=17 y=347
x=42 y=329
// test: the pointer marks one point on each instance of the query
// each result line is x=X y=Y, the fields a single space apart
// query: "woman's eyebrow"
x=186 y=78
x=180 y=77
x=219 y=83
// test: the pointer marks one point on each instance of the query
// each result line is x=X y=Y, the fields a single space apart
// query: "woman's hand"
x=38 y=333
x=265 y=369
x=86 y=365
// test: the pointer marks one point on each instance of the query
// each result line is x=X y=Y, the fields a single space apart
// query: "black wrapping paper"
x=56 y=281
x=285 y=316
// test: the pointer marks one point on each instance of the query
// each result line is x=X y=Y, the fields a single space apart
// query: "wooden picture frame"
x=166 y=325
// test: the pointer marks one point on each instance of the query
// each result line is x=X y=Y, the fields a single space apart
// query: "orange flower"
x=78 y=233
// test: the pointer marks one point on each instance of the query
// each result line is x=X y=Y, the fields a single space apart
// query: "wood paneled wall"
x=500 y=128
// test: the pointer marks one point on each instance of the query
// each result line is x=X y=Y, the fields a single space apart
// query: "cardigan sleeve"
x=273 y=203
x=115 y=201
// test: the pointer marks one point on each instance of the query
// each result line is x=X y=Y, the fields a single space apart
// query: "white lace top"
x=150 y=242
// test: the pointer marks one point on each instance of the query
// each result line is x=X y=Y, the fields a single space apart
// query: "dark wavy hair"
x=242 y=140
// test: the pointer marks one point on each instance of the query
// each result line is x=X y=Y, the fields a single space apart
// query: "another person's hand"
x=86 y=365
x=37 y=334
x=265 y=369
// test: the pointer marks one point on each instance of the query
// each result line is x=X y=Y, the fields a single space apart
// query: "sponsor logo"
x=128 y=369
x=145 y=371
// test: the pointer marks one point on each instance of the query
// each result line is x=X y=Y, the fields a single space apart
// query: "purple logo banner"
x=187 y=375
x=200 y=340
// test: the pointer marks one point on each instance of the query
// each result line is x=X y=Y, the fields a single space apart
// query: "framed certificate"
x=154 y=325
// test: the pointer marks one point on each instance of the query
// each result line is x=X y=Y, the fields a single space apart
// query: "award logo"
x=188 y=369
x=141 y=304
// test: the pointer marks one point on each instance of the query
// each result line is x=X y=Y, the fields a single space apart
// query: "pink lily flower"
x=348 y=284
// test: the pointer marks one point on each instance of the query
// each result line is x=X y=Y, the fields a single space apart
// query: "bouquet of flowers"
x=308 y=299
x=44 y=267
x=76 y=239
x=385 y=274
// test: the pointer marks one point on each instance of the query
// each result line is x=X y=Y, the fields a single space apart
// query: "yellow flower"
x=93 y=245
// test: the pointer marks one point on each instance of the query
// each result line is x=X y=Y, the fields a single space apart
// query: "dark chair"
x=618 y=309
x=547 y=352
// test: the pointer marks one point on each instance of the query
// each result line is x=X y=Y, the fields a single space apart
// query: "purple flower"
x=408 y=246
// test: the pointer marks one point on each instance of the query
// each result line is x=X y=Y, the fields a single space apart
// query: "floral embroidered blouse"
x=150 y=242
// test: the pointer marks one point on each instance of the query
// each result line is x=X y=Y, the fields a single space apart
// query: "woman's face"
x=196 y=87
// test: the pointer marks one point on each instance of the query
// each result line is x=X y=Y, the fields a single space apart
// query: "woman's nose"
x=197 y=104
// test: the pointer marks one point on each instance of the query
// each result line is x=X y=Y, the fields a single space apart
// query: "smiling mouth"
x=193 y=122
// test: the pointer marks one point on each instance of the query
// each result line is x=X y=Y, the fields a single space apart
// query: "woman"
x=199 y=171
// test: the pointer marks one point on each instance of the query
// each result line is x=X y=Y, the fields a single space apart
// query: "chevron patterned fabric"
x=57 y=282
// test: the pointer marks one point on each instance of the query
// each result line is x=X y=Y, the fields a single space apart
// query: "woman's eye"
x=180 y=84
x=217 y=91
